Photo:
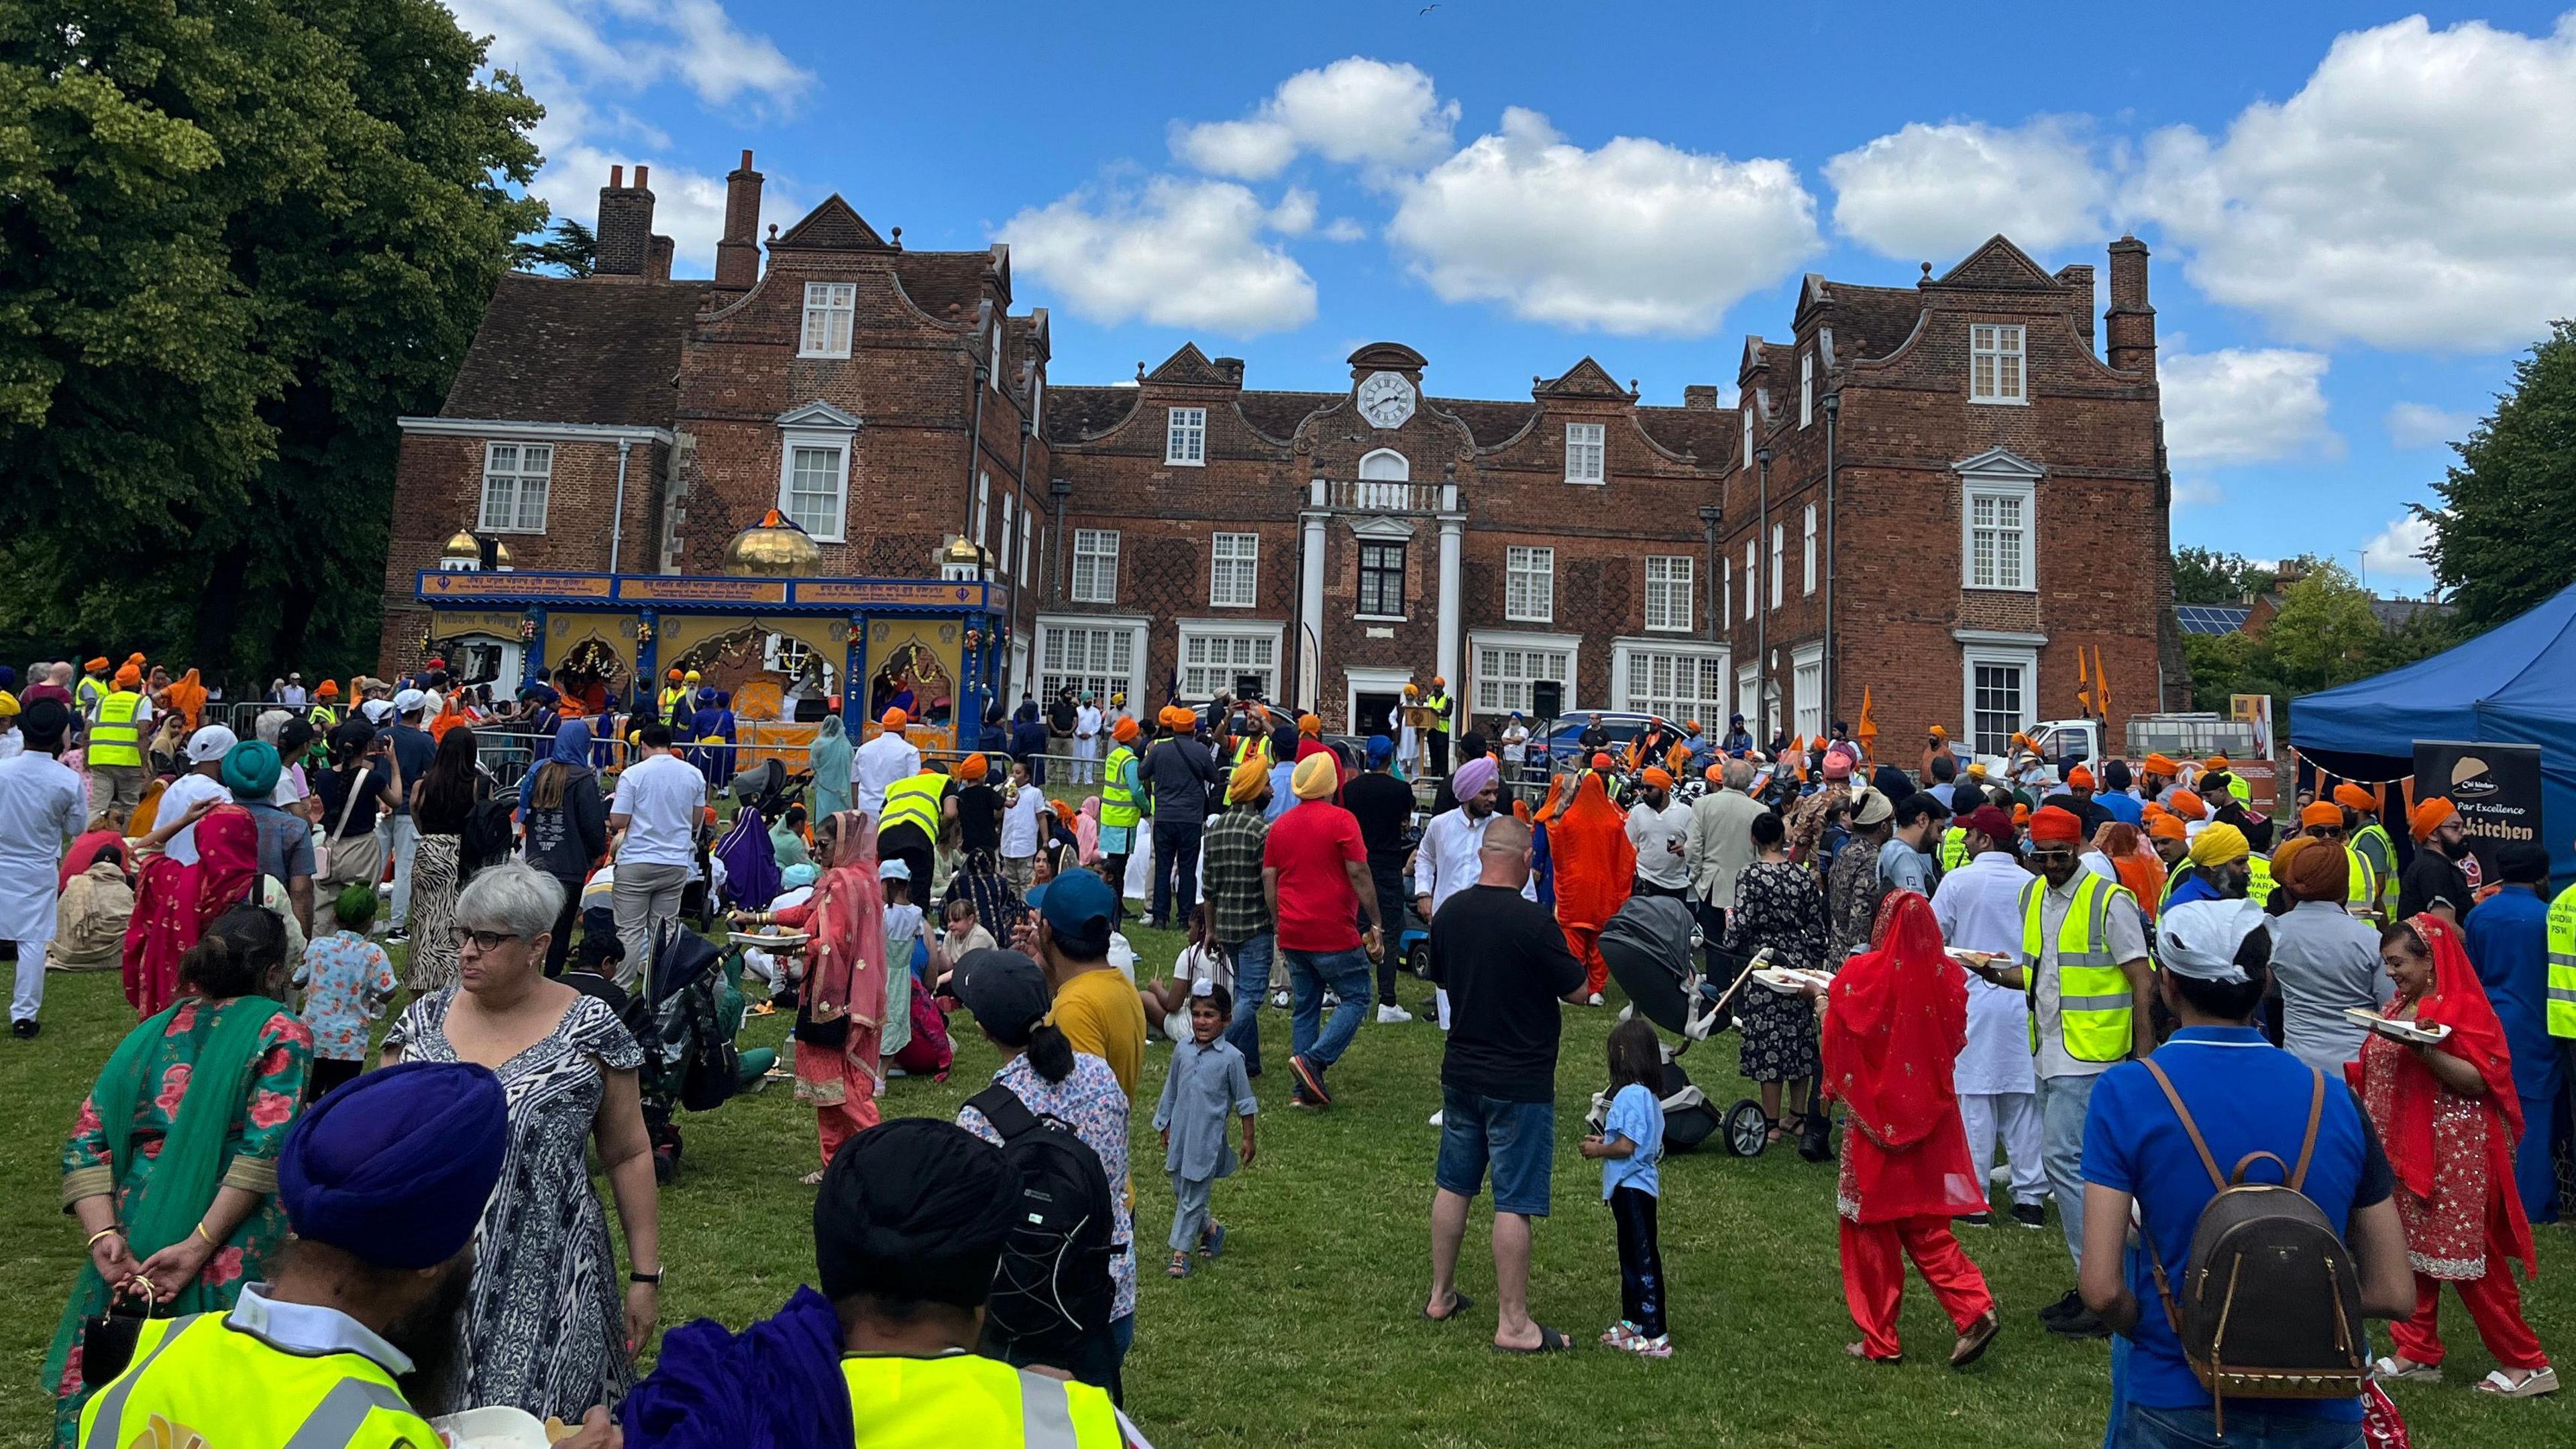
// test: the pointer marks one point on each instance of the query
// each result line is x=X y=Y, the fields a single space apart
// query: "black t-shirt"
x=1060 y=716
x=333 y=787
x=1504 y=961
x=1384 y=806
x=979 y=817
x=2432 y=878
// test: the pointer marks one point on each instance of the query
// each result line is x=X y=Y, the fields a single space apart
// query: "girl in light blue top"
x=1630 y=1144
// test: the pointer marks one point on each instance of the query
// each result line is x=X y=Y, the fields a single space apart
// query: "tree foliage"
x=2322 y=634
x=236 y=242
x=2206 y=576
x=2500 y=539
x=568 y=250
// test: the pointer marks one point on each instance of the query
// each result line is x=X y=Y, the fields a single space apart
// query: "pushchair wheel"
x=1747 y=1130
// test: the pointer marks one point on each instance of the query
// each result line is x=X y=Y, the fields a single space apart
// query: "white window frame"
x=1028 y=531
x=1726 y=597
x=795 y=440
x=1779 y=551
x=1810 y=574
x=993 y=368
x=1587 y=452
x=835 y=306
x=521 y=482
x=1806 y=388
x=1671 y=580
x=1752 y=577
x=1999 y=364
x=1010 y=528
x=1098 y=548
x=1242 y=638
x=1234 y=570
x=983 y=507
x=1532 y=567
x=2010 y=651
x=2023 y=497
x=1494 y=689
x=1185 y=437
x=1108 y=632
x=1748 y=436
x=1748 y=701
x=1636 y=663
x=1807 y=690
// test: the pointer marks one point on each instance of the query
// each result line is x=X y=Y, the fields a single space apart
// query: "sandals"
x=1549 y=1341
x=1458 y=1303
x=2533 y=1384
x=2396 y=1370
x=812 y=1179
x=1861 y=1351
x=1772 y=1130
x=1657 y=1347
x=1212 y=1242
x=1180 y=1267
x=1973 y=1343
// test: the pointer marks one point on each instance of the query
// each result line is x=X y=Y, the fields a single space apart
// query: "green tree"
x=569 y=249
x=2509 y=505
x=2324 y=633
x=236 y=242
x=2206 y=576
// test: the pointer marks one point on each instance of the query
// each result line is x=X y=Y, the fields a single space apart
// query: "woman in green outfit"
x=172 y=1164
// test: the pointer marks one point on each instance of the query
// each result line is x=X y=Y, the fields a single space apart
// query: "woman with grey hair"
x=545 y=1329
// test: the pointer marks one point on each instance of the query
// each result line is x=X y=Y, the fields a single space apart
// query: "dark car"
x=1560 y=749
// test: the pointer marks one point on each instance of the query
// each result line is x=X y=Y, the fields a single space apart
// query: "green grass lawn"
x=1307 y=1332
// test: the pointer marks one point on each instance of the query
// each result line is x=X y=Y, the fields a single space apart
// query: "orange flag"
x=2083 y=686
x=1868 y=731
x=2101 y=685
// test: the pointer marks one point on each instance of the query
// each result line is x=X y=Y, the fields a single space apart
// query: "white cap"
x=211 y=743
x=893 y=870
x=2200 y=939
x=377 y=711
x=409 y=701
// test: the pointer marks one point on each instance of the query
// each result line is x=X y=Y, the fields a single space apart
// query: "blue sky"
x=2359 y=216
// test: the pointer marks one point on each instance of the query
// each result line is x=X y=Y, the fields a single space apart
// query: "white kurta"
x=41 y=810
x=1979 y=909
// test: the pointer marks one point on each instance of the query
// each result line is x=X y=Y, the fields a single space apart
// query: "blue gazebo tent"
x=2514 y=684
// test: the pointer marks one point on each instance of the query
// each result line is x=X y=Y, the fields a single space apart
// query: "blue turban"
x=797 y=877
x=1380 y=750
x=395 y=1167
x=250 y=770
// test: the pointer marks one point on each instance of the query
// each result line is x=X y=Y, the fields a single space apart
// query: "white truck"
x=2066 y=743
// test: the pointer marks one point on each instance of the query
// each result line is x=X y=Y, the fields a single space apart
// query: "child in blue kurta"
x=1206 y=1085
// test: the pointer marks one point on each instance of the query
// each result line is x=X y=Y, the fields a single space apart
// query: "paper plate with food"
x=1792 y=980
x=2396 y=1030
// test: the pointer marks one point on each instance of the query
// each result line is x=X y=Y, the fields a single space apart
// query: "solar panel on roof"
x=2210 y=618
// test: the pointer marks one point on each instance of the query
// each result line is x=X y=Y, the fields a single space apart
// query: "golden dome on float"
x=773 y=547
x=462 y=547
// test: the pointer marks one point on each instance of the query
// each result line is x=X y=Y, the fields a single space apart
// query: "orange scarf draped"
x=1594 y=860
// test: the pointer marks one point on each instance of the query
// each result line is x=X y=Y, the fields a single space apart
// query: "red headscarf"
x=174 y=904
x=1892 y=1038
x=1594 y=861
x=2458 y=1000
x=846 y=971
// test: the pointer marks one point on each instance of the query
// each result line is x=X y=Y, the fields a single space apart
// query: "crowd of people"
x=2085 y=986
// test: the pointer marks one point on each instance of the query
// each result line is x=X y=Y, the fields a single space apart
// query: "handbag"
x=108 y=1338
x=335 y=868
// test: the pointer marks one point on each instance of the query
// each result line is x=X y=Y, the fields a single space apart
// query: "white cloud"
x=1929 y=192
x=1635 y=237
x=2243 y=405
x=586 y=60
x=2418 y=191
x=1295 y=213
x=2396 y=554
x=2195 y=493
x=2422 y=425
x=1180 y=254
x=1356 y=110
x=1343 y=229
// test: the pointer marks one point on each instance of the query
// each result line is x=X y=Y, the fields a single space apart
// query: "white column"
x=1453 y=531
x=1310 y=606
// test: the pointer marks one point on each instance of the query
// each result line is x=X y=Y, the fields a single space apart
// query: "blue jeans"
x=1251 y=984
x=2063 y=1101
x=1516 y=1139
x=2249 y=1426
x=1309 y=973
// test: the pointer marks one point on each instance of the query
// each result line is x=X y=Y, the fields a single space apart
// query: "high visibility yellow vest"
x=2239 y=788
x=1117 y=802
x=87 y=693
x=2375 y=846
x=914 y=802
x=2093 y=1002
x=2562 y=964
x=2182 y=871
x=2258 y=888
x=2361 y=888
x=1438 y=704
x=202 y=1379
x=671 y=699
x=963 y=1399
x=322 y=717
x=1954 y=847
x=115 y=739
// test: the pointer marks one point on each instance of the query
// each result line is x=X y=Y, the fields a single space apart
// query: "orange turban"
x=1124 y=730
x=2214 y=762
x=1310 y=726
x=2324 y=812
x=2021 y=814
x=974 y=767
x=95 y=665
x=1655 y=778
x=2187 y=805
x=2429 y=815
x=2055 y=824
x=2167 y=827
x=127 y=676
x=1939 y=733
x=673 y=676
x=894 y=719
x=2079 y=778
x=2162 y=765
x=2352 y=797
x=1716 y=774
x=1601 y=762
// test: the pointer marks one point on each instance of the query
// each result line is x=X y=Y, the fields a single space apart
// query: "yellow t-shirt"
x=1098 y=1012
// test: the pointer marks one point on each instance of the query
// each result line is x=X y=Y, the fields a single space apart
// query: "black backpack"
x=1051 y=1293
x=488 y=828
x=2270 y=1300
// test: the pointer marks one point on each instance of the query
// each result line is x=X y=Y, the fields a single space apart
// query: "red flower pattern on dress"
x=182 y=1020
x=174 y=1088
x=87 y=1123
x=267 y=1109
x=222 y=1268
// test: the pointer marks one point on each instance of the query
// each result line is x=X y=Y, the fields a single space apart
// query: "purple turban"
x=1473 y=777
x=395 y=1167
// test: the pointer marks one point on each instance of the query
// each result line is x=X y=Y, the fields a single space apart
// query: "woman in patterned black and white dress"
x=545 y=1329
x=1778 y=904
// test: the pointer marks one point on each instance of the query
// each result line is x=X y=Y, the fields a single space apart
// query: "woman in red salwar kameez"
x=2449 y=1118
x=1895 y=1024
x=841 y=1007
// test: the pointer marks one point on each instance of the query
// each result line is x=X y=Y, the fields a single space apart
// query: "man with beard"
x=383 y=1181
x=2220 y=868
x=1448 y=859
x=2433 y=880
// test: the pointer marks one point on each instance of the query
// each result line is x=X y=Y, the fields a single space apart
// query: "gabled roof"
x=947 y=285
x=1190 y=367
x=1075 y=414
x=1586 y=379
x=1871 y=321
x=1280 y=414
x=2000 y=266
x=567 y=350
x=2000 y=462
x=834 y=225
x=1706 y=436
x=817 y=414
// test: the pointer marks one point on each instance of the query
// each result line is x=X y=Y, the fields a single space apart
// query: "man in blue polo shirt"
x=2246 y=1096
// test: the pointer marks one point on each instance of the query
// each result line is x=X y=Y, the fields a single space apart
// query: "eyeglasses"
x=483 y=940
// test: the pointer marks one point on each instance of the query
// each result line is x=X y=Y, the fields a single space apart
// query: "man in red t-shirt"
x=1314 y=870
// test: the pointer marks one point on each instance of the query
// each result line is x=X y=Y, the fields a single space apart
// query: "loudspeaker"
x=1547 y=698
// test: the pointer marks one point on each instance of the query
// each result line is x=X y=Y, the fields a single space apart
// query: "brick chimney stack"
x=2130 y=324
x=1700 y=396
x=625 y=228
x=738 y=251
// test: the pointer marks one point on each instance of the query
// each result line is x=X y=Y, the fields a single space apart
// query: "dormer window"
x=1995 y=358
x=830 y=308
x=1185 y=437
x=1584 y=448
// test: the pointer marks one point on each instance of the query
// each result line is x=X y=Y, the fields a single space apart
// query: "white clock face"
x=1386 y=399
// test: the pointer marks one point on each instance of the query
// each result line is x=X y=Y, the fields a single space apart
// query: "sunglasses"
x=483 y=940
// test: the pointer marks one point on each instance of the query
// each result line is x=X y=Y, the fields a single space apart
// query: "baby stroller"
x=690 y=1061
x=1652 y=947
x=768 y=788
